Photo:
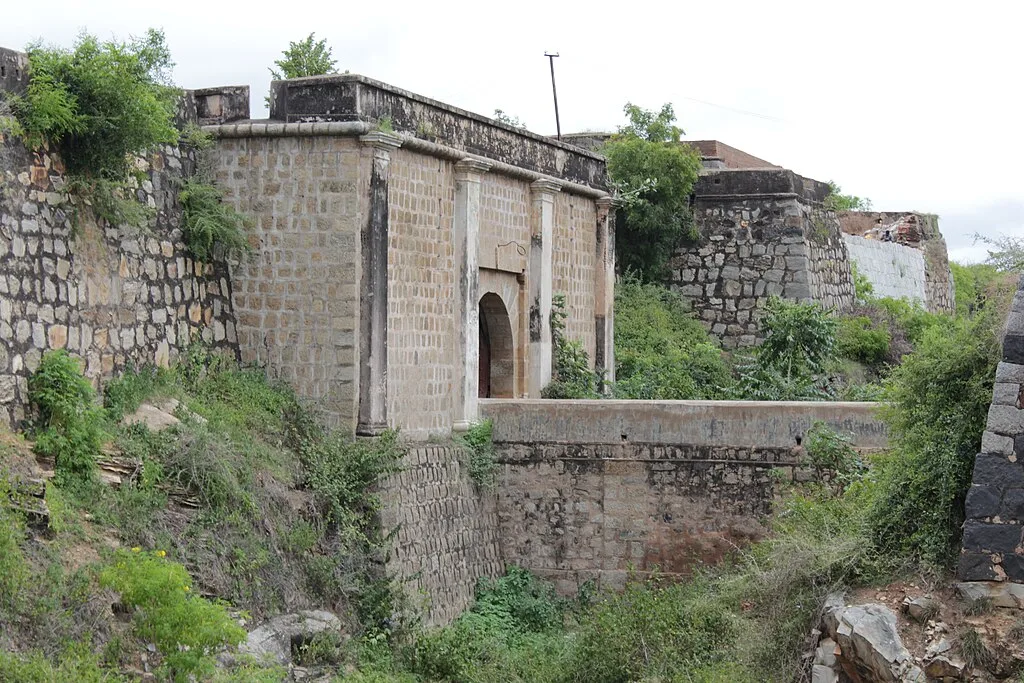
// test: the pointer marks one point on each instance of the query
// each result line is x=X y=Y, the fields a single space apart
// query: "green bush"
x=100 y=103
x=69 y=424
x=937 y=405
x=14 y=569
x=573 y=377
x=124 y=394
x=76 y=663
x=208 y=224
x=859 y=339
x=186 y=628
x=479 y=443
x=792 y=362
x=661 y=351
x=653 y=631
x=832 y=456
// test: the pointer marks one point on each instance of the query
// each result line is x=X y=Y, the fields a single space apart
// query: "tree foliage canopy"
x=837 y=201
x=307 y=57
x=654 y=176
x=100 y=102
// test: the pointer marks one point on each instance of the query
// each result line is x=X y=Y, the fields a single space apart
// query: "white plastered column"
x=466 y=238
x=542 y=228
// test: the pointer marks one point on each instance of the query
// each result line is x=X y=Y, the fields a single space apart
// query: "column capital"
x=606 y=202
x=380 y=140
x=467 y=168
x=546 y=186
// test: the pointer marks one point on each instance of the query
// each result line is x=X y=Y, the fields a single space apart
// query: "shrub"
x=938 y=401
x=661 y=351
x=573 y=377
x=76 y=663
x=101 y=104
x=653 y=631
x=207 y=223
x=14 y=570
x=186 y=628
x=124 y=394
x=792 y=362
x=478 y=441
x=69 y=426
x=859 y=339
x=832 y=456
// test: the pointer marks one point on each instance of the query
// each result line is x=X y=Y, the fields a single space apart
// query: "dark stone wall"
x=992 y=543
x=349 y=97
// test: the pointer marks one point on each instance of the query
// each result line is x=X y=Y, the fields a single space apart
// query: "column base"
x=372 y=429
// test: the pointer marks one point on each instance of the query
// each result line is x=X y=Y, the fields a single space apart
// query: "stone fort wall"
x=446 y=531
x=114 y=296
x=762 y=233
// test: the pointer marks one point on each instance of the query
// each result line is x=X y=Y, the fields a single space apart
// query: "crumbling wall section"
x=894 y=270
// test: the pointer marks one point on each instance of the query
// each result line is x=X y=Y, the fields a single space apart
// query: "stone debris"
x=921 y=609
x=280 y=636
x=867 y=645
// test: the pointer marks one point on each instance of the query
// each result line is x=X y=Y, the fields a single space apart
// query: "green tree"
x=308 y=57
x=654 y=176
x=661 y=351
x=978 y=283
x=837 y=201
x=1005 y=252
x=100 y=103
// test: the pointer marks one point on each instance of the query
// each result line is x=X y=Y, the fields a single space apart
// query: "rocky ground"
x=918 y=632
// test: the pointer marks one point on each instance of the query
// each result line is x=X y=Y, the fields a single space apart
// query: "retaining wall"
x=590 y=489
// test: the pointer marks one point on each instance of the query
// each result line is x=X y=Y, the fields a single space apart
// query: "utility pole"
x=554 y=92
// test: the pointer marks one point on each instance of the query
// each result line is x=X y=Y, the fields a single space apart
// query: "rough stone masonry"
x=993 y=545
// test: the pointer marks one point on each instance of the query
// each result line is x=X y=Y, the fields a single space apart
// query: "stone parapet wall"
x=589 y=489
x=894 y=270
x=114 y=296
x=446 y=531
x=993 y=541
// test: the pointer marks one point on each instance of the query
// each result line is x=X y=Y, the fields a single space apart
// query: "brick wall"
x=421 y=294
x=447 y=532
x=574 y=265
x=590 y=489
x=114 y=296
x=296 y=296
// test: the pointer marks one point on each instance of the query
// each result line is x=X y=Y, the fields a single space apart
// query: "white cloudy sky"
x=916 y=105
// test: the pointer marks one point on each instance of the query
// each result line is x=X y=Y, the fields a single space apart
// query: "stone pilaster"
x=466 y=239
x=604 y=289
x=373 y=318
x=542 y=228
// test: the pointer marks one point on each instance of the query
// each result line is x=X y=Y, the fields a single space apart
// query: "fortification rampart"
x=590 y=489
x=762 y=233
x=113 y=295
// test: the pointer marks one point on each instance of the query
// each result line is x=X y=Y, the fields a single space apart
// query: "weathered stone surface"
x=280 y=636
x=869 y=641
x=923 y=608
x=982 y=502
x=991 y=537
x=944 y=668
x=998 y=471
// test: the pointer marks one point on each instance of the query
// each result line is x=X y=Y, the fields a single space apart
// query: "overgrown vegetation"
x=100 y=105
x=247 y=499
x=793 y=361
x=209 y=226
x=837 y=201
x=479 y=444
x=572 y=376
x=306 y=57
x=661 y=351
x=654 y=176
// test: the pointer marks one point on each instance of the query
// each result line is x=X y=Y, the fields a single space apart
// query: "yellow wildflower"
x=185 y=588
x=161 y=553
x=136 y=549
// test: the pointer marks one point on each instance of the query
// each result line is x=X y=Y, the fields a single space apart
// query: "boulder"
x=942 y=668
x=871 y=649
x=922 y=609
x=278 y=637
x=823 y=674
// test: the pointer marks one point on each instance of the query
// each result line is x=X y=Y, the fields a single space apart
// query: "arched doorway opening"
x=497 y=355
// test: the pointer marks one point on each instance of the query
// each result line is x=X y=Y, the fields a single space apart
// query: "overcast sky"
x=916 y=105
